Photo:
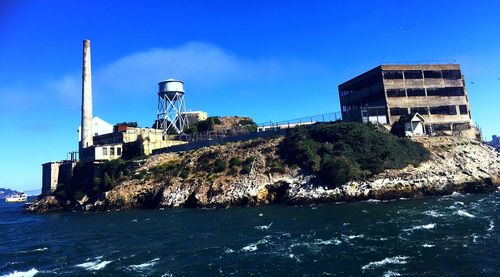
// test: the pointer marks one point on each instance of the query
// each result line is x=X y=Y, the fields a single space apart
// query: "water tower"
x=171 y=107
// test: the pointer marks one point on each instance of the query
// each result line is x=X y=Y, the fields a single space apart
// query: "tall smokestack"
x=87 y=134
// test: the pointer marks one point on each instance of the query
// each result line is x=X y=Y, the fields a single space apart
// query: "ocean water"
x=457 y=235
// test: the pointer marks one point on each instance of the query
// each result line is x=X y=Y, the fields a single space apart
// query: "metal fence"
x=292 y=123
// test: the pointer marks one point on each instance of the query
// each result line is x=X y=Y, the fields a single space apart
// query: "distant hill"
x=4 y=193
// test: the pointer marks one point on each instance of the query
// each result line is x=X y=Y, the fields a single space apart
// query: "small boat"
x=16 y=198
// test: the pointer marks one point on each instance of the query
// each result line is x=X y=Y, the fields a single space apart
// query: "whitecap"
x=253 y=246
x=327 y=242
x=355 y=236
x=29 y=273
x=94 y=265
x=464 y=213
x=261 y=215
x=143 y=266
x=492 y=225
x=35 y=250
x=391 y=273
x=392 y=260
x=373 y=201
x=134 y=220
x=456 y=194
x=419 y=227
x=264 y=227
x=228 y=251
x=428 y=245
x=433 y=213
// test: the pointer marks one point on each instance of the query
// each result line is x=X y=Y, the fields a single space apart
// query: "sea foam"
x=143 y=266
x=29 y=273
x=419 y=227
x=264 y=227
x=392 y=260
x=97 y=264
x=464 y=213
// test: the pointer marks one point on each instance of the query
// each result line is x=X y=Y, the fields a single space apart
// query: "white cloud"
x=198 y=64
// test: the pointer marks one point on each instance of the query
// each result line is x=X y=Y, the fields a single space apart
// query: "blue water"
x=455 y=235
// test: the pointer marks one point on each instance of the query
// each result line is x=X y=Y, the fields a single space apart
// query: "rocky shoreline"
x=455 y=165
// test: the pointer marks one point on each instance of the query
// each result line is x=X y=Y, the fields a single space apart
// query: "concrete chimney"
x=87 y=133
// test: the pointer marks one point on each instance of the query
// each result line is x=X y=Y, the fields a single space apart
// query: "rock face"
x=456 y=164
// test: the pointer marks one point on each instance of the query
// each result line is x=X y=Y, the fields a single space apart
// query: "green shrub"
x=184 y=173
x=219 y=166
x=245 y=169
x=234 y=161
x=339 y=152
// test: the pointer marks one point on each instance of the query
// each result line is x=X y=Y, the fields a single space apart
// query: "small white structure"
x=99 y=127
x=414 y=126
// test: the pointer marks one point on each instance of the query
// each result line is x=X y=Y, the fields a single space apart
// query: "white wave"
x=143 y=266
x=419 y=227
x=228 y=251
x=428 y=245
x=29 y=273
x=433 y=213
x=253 y=246
x=261 y=215
x=264 y=227
x=353 y=237
x=327 y=242
x=292 y=256
x=492 y=225
x=34 y=250
x=134 y=220
x=460 y=203
x=94 y=265
x=464 y=213
x=391 y=273
x=392 y=260
x=456 y=194
x=373 y=201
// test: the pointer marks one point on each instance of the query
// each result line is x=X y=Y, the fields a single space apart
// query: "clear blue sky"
x=271 y=60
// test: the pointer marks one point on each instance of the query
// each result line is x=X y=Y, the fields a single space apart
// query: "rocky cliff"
x=249 y=173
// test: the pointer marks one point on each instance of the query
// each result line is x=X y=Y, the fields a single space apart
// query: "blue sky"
x=271 y=60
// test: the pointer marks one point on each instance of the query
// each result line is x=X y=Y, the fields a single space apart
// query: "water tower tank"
x=171 y=88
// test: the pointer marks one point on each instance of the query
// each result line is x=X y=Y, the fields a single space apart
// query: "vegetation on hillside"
x=340 y=152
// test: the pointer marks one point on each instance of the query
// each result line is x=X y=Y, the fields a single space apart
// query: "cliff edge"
x=252 y=173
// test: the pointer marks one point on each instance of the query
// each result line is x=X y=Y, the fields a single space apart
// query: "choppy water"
x=454 y=235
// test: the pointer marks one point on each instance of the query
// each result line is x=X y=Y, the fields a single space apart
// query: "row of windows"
x=420 y=74
x=111 y=151
x=447 y=110
x=411 y=92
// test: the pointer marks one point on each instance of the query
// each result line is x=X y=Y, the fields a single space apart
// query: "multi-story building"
x=437 y=92
x=110 y=146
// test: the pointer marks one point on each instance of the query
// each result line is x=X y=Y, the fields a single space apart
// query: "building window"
x=112 y=151
x=433 y=74
x=452 y=74
x=396 y=93
x=415 y=92
x=420 y=110
x=446 y=92
x=399 y=111
x=393 y=74
x=463 y=109
x=104 y=151
x=413 y=74
x=448 y=110
x=118 y=151
x=455 y=91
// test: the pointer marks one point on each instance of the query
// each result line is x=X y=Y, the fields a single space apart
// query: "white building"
x=99 y=127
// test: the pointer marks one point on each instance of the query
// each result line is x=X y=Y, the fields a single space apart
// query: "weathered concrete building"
x=110 y=146
x=55 y=174
x=435 y=91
